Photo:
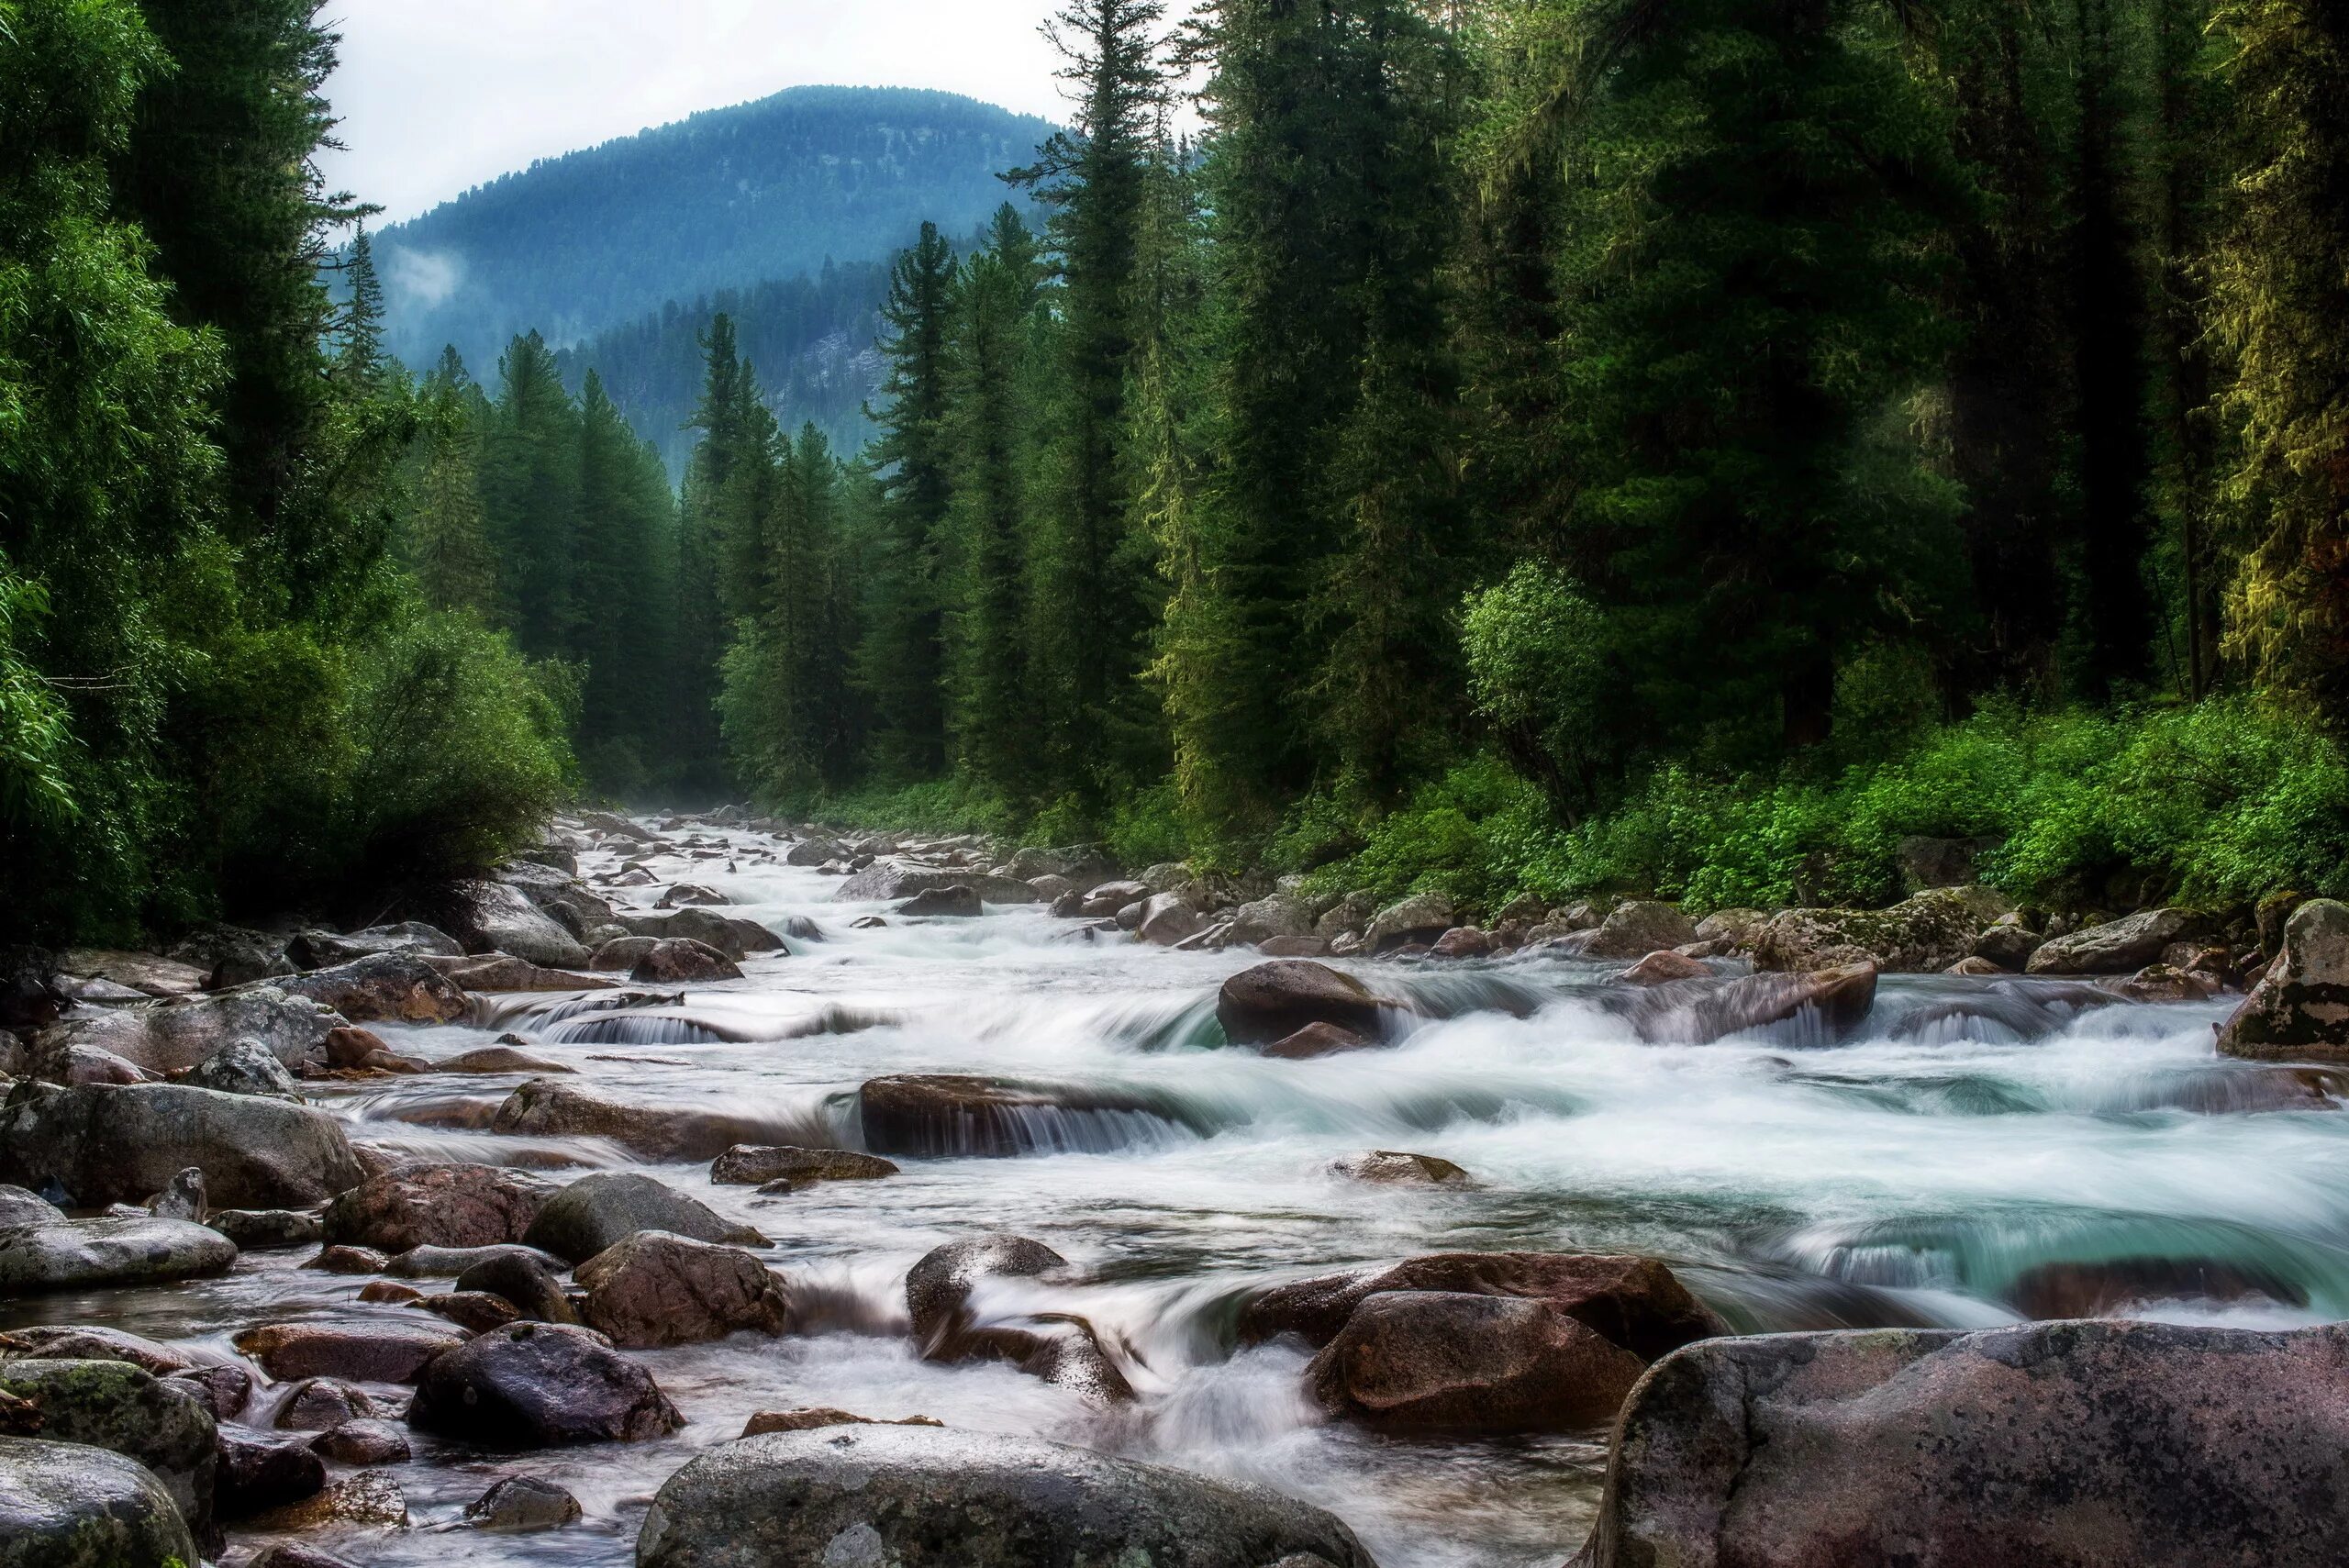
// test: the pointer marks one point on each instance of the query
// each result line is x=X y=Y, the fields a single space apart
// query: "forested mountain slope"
x=724 y=199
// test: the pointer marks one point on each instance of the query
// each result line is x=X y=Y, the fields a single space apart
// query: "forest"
x=1501 y=446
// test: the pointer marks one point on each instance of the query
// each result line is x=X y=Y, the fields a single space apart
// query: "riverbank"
x=1074 y=1193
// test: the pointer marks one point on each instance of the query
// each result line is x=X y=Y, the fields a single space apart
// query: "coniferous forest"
x=1500 y=445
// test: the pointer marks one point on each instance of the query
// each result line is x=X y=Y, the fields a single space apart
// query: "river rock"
x=2089 y=1444
x=84 y=1254
x=486 y=1061
x=336 y=1259
x=933 y=1497
x=655 y=1288
x=322 y=1404
x=79 y=1342
x=621 y=953
x=545 y=1108
x=729 y=934
x=1636 y=1303
x=520 y=1504
x=504 y=973
x=1462 y=1363
x=150 y=973
x=58 y=1060
x=1107 y=898
x=245 y=1067
x=812 y=852
x=363 y=1442
x=2116 y=947
x=170 y=1037
x=431 y=1205
x=367 y=1350
x=938 y=1287
x=540 y=1386
x=1276 y=999
x=1924 y=934
x=1058 y=1348
x=690 y=892
x=1317 y=1039
x=1463 y=941
x=1638 y=928
x=118 y=1144
x=1169 y=919
x=1659 y=967
x=808 y=1418
x=676 y=960
x=1826 y=1005
x=224 y=1388
x=1393 y=1166
x=475 y=1311
x=2008 y=942
x=369 y=1499
x=497 y=916
x=127 y=1410
x=181 y=1198
x=2300 y=1009
x=1273 y=916
x=316 y=949
x=1421 y=917
x=67 y=1504
x=518 y=1276
x=789 y=1169
x=957 y=902
x=454 y=1262
x=256 y=1474
x=598 y=1212
x=884 y=882
x=949 y=1114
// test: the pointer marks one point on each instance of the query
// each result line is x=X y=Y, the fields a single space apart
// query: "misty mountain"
x=614 y=234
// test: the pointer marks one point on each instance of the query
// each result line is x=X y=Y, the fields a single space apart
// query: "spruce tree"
x=446 y=537
x=530 y=485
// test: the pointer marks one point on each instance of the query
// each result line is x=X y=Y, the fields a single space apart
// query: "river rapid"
x=1937 y=1169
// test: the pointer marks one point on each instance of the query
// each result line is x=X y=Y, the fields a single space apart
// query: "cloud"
x=420 y=280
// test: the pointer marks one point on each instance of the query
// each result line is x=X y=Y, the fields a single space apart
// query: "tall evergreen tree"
x=530 y=485
x=620 y=625
x=447 y=536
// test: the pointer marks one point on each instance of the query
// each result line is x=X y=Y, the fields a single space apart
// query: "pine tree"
x=694 y=745
x=358 y=353
x=447 y=539
x=620 y=625
x=529 y=485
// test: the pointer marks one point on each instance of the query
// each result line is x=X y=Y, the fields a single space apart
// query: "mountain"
x=766 y=190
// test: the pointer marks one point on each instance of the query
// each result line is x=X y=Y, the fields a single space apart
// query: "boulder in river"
x=363 y=1441
x=487 y=1061
x=241 y=1067
x=386 y=987
x=959 y=902
x=1659 y=967
x=600 y=1211
x=935 y=1498
x=2116 y=947
x=1273 y=1000
x=546 y=1108
x=2008 y=942
x=1276 y=914
x=1639 y=927
x=58 y=1060
x=258 y=1473
x=674 y=960
x=1393 y=1166
x=1168 y=919
x=2300 y=1009
x=887 y=882
x=1462 y=1363
x=497 y=916
x=656 y=1288
x=523 y=1504
x=1317 y=1039
x=520 y=1276
x=1058 y=1348
x=314 y=949
x=1922 y=934
x=83 y=1342
x=322 y=1404
x=432 y=1204
x=947 y=1115
x=117 y=1143
x=67 y=1504
x=730 y=934
x=2089 y=1444
x=753 y=1165
x=499 y=972
x=58 y=1253
x=170 y=1037
x=360 y=1349
x=1637 y=1303
x=114 y=1405
x=1823 y=1004
x=540 y=1386
x=1421 y=917
x=621 y=953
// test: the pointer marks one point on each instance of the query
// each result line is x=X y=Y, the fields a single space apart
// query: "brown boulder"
x=1317 y=1039
x=538 y=1385
x=372 y=1351
x=1270 y=1001
x=676 y=960
x=1389 y=1166
x=545 y=1108
x=1659 y=967
x=425 y=1204
x=787 y=1169
x=501 y=972
x=656 y=1288
x=383 y=987
x=489 y=1060
x=809 y=1419
x=476 y=1311
x=921 y=1114
x=1439 y=1360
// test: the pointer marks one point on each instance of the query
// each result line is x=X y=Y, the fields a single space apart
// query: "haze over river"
x=1929 y=1170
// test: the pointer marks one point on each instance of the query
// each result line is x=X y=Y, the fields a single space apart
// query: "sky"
x=439 y=96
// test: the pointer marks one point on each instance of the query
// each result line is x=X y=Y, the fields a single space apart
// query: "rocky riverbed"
x=704 y=1181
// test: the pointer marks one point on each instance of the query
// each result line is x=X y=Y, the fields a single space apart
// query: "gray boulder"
x=1924 y=934
x=959 y=902
x=886 y=881
x=400 y=986
x=677 y=960
x=732 y=935
x=1421 y=917
x=2300 y=1009
x=170 y=1037
x=540 y=1386
x=265 y=1229
x=598 y=1212
x=655 y=1288
x=497 y=916
x=934 y=1498
x=2116 y=947
x=2085 y=1444
x=1273 y=916
x=324 y=949
x=548 y=1107
x=128 y=1411
x=1639 y=928
x=67 y=1504
x=118 y=1143
x=41 y=1253
x=428 y=1203
x=244 y=1067
x=785 y=1168
x=1168 y=919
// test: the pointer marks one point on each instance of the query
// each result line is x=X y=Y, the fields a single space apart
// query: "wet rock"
x=809 y=1419
x=1057 y=1348
x=1293 y=947
x=1975 y=968
x=2160 y=983
x=501 y=973
x=171 y=1037
x=150 y=974
x=66 y=1505
x=1636 y=1303
x=497 y=916
x=488 y=1060
x=57 y=1061
x=2115 y=947
x=1659 y=967
x=813 y=853
x=1104 y=900
x=454 y=1262
x=1463 y=941
x=598 y=1212
x=1638 y=928
x=544 y=1108
x=384 y=987
x=322 y=1404
x=926 y=1497
x=521 y=1278
x=2300 y=1009
x=225 y=1389
x=428 y=1205
x=350 y=1047
x=2008 y=942
x=2102 y=1289
x=655 y=1288
x=956 y=903
x=181 y=1198
x=1274 y=916
x=389 y=1293
x=2093 y=1445
x=689 y=893
x=538 y=1385
x=622 y=953
x=912 y=1114
x=675 y=961
x=295 y=1554
x=244 y=1067
x=789 y=1169
x=335 y=1260
x=369 y=1498
x=476 y=1311
x=523 y=1503
x=368 y=1442
x=1168 y=919
x=938 y=1287
x=1924 y=934
x=1317 y=1039
x=256 y=1474
x=364 y=1350
x=884 y=882
x=1276 y=999
x=1423 y=918
x=1826 y=1005
x=1462 y=1363
x=728 y=934
x=109 y=1144
x=74 y=1342
x=1393 y=1166
x=316 y=949
x=83 y=1254
x=127 y=1410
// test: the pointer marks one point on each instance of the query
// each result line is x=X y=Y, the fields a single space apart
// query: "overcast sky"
x=436 y=95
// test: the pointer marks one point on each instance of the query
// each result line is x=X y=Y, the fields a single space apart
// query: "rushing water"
x=1973 y=1133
